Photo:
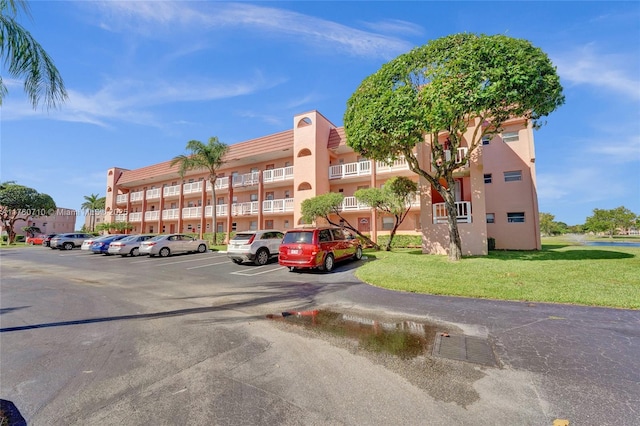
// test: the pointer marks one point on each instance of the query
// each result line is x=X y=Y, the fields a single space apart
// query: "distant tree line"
x=610 y=222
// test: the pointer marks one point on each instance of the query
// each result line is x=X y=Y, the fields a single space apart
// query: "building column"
x=203 y=202
x=180 y=204
x=160 y=208
x=260 y=201
x=144 y=209
x=373 y=225
x=229 y=211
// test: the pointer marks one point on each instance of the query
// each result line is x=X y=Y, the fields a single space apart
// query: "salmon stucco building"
x=265 y=180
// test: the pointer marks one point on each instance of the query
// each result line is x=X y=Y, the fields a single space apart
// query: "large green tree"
x=610 y=221
x=209 y=157
x=91 y=204
x=394 y=198
x=442 y=88
x=327 y=206
x=549 y=226
x=26 y=59
x=19 y=203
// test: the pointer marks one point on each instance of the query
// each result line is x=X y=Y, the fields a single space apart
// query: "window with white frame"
x=515 y=217
x=387 y=222
x=254 y=197
x=491 y=218
x=510 y=137
x=253 y=225
x=487 y=178
x=513 y=176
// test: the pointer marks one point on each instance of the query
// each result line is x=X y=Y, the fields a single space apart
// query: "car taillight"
x=253 y=237
x=151 y=244
x=116 y=244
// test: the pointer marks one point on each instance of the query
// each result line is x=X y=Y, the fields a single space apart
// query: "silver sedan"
x=168 y=244
x=129 y=245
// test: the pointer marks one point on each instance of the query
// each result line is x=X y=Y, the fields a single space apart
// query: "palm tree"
x=25 y=58
x=208 y=157
x=93 y=202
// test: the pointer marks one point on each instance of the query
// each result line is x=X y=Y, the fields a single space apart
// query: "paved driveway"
x=90 y=339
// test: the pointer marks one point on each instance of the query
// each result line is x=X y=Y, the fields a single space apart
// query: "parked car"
x=129 y=245
x=168 y=244
x=69 y=240
x=35 y=240
x=47 y=239
x=102 y=245
x=86 y=244
x=318 y=248
x=255 y=246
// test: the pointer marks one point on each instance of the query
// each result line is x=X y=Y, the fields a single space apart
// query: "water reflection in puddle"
x=405 y=339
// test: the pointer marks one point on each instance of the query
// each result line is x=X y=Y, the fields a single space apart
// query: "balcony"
x=152 y=215
x=122 y=217
x=136 y=196
x=153 y=194
x=277 y=175
x=191 y=212
x=459 y=159
x=277 y=206
x=221 y=210
x=171 y=191
x=340 y=171
x=192 y=188
x=463 y=212
x=135 y=217
x=244 y=209
x=168 y=214
x=351 y=203
x=399 y=163
x=122 y=198
x=247 y=179
x=221 y=183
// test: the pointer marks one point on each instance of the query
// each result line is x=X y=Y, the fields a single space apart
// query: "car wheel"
x=327 y=265
x=292 y=268
x=202 y=248
x=358 y=254
x=135 y=252
x=262 y=257
x=237 y=261
x=164 y=252
x=67 y=246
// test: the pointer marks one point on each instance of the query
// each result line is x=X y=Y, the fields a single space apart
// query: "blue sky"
x=146 y=77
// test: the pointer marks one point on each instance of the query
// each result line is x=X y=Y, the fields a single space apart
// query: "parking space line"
x=209 y=264
x=200 y=258
x=257 y=273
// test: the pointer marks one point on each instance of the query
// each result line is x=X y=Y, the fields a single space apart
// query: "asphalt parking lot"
x=92 y=339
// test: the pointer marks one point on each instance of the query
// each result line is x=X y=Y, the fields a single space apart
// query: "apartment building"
x=265 y=180
x=61 y=220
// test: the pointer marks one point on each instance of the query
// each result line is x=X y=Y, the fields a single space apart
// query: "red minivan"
x=318 y=248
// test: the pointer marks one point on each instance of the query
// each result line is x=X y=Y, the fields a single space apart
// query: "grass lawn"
x=562 y=272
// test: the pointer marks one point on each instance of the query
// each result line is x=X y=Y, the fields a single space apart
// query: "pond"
x=611 y=243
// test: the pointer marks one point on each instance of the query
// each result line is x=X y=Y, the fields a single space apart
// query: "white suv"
x=255 y=246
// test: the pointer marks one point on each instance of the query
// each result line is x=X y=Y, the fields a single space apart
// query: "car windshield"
x=242 y=237
x=129 y=238
x=305 y=237
x=158 y=238
x=103 y=237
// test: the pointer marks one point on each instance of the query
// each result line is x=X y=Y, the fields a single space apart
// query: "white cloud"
x=611 y=72
x=395 y=26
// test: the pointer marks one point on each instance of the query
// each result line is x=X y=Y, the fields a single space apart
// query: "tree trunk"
x=455 y=244
x=350 y=227
x=392 y=234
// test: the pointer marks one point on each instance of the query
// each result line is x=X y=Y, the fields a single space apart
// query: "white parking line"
x=258 y=273
x=148 y=259
x=209 y=264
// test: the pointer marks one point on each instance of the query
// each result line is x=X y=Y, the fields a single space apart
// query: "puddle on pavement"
x=405 y=339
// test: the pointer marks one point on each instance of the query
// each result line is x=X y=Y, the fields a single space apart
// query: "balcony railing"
x=221 y=183
x=171 y=191
x=399 y=163
x=463 y=209
x=152 y=215
x=247 y=179
x=137 y=196
x=122 y=198
x=135 y=217
x=277 y=206
x=153 y=193
x=221 y=210
x=121 y=217
x=460 y=154
x=351 y=203
x=360 y=168
x=193 y=187
x=242 y=209
x=170 y=214
x=191 y=212
x=277 y=175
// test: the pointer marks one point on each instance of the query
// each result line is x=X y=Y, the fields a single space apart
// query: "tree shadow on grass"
x=546 y=254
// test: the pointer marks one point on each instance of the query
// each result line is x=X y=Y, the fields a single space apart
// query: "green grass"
x=559 y=273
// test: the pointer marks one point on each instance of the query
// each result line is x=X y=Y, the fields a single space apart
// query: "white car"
x=86 y=244
x=168 y=244
x=255 y=246
x=128 y=246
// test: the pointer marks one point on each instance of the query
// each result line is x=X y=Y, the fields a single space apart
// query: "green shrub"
x=401 y=241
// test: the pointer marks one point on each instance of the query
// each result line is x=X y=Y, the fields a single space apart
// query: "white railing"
x=171 y=191
x=399 y=163
x=241 y=209
x=135 y=217
x=277 y=175
x=463 y=209
x=246 y=179
x=152 y=215
x=153 y=193
x=136 y=196
x=170 y=214
x=122 y=198
x=121 y=217
x=359 y=168
x=191 y=212
x=277 y=206
x=190 y=188
x=221 y=210
x=352 y=203
x=460 y=154
x=221 y=183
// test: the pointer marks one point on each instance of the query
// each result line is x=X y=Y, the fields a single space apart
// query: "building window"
x=268 y=224
x=513 y=176
x=491 y=218
x=234 y=226
x=253 y=225
x=287 y=194
x=220 y=200
x=254 y=197
x=189 y=227
x=487 y=178
x=510 y=137
x=341 y=190
x=486 y=140
x=220 y=227
x=286 y=224
x=516 y=217
x=387 y=223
